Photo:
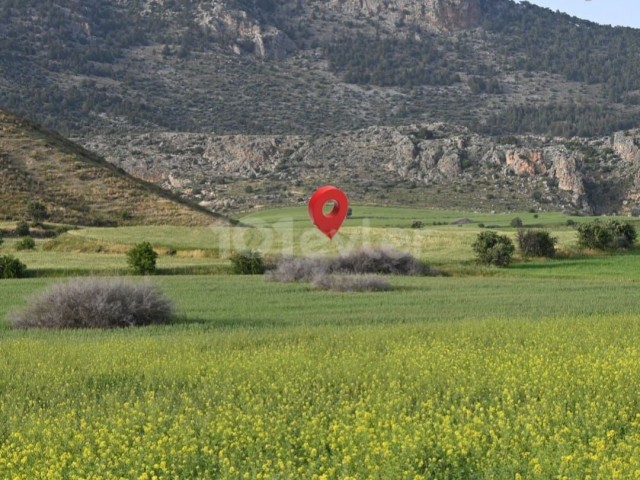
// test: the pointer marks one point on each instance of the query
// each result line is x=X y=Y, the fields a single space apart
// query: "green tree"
x=601 y=236
x=247 y=262
x=142 y=259
x=11 y=267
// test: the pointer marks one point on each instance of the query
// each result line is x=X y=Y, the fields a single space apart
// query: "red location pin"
x=328 y=224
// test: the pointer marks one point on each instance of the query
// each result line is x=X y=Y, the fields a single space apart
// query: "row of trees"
x=492 y=248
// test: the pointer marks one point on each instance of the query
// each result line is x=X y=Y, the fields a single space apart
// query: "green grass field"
x=525 y=372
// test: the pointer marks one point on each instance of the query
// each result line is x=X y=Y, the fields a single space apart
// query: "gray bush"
x=385 y=261
x=298 y=269
x=364 y=261
x=96 y=303
x=351 y=283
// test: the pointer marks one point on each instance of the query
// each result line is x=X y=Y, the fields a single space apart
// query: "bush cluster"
x=96 y=303
x=381 y=261
x=247 y=262
x=493 y=249
x=359 y=270
x=11 y=267
x=610 y=235
x=536 y=243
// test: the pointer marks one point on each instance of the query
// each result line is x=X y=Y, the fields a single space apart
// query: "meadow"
x=524 y=372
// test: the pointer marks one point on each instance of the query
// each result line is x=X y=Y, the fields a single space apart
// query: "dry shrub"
x=96 y=303
x=384 y=261
x=298 y=269
x=352 y=283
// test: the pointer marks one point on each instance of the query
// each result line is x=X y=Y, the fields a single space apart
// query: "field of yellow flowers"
x=496 y=399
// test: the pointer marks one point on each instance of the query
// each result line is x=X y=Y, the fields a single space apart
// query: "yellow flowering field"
x=485 y=399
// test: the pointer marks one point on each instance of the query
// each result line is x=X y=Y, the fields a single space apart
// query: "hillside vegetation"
x=313 y=66
x=68 y=184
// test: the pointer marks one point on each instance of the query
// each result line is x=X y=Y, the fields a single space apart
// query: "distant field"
x=288 y=231
x=528 y=372
x=399 y=217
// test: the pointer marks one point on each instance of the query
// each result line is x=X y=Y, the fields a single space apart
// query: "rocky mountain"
x=429 y=164
x=67 y=184
x=236 y=103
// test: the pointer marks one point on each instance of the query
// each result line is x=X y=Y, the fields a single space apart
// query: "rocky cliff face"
x=439 y=15
x=261 y=27
x=627 y=145
x=226 y=171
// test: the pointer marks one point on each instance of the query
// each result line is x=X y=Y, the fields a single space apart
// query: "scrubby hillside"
x=78 y=187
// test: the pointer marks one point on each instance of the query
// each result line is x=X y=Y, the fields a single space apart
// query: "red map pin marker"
x=330 y=223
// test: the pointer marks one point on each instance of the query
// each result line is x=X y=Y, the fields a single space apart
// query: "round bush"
x=96 y=303
x=493 y=249
x=516 y=222
x=536 y=243
x=26 y=243
x=142 y=259
x=247 y=262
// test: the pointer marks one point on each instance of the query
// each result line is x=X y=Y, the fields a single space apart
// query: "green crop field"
x=528 y=372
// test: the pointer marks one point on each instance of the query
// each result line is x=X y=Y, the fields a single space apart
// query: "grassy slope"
x=78 y=187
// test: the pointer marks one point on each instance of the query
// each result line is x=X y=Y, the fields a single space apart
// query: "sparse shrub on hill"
x=351 y=283
x=11 y=267
x=96 y=303
x=26 y=243
x=247 y=262
x=493 y=249
x=37 y=211
x=1 y=240
x=142 y=259
x=536 y=243
x=610 y=235
x=417 y=224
